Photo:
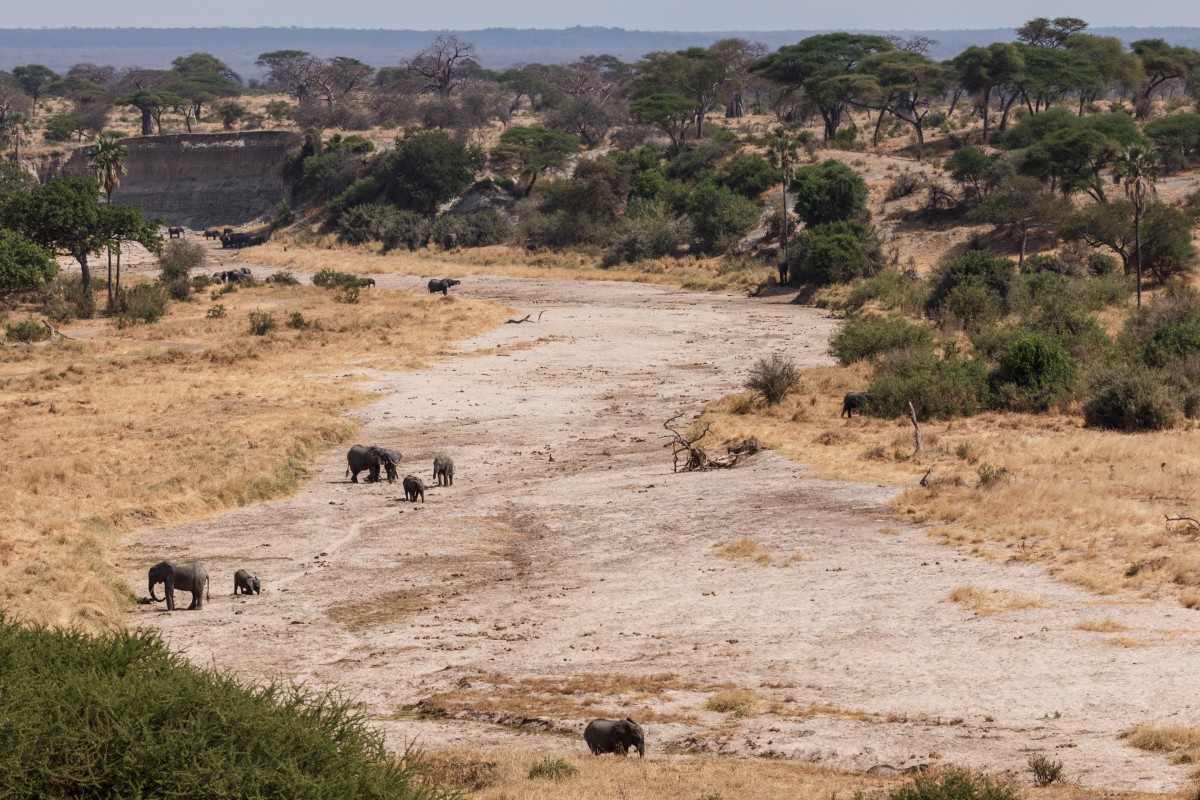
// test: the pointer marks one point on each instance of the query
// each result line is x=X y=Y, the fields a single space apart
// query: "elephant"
x=442 y=285
x=614 y=736
x=783 y=273
x=175 y=232
x=413 y=486
x=852 y=402
x=366 y=283
x=360 y=458
x=191 y=577
x=245 y=583
x=443 y=470
x=450 y=241
x=211 y=234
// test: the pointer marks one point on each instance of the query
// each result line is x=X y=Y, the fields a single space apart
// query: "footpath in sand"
x=526 y=593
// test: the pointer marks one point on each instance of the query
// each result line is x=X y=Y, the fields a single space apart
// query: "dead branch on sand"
x=696 y=459
x=525 y=318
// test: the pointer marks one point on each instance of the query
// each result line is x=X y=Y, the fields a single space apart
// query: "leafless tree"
x=915 y=44
x=340 y=78
x=442 y=65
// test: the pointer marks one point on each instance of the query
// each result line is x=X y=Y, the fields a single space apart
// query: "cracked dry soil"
x=504 y=598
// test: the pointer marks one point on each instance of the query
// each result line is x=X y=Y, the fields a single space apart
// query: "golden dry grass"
x=1105 y=625
x=986 y=602
x=181 y=419
x=1090 y=504
x=1180 y=744
x=737 y=702
x=311 y=254
x=503 y=774
x=744 y=549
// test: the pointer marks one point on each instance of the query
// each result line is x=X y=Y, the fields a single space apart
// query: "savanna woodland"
x=1007 y=239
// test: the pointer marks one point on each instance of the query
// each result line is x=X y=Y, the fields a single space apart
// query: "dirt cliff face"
x=202 y=180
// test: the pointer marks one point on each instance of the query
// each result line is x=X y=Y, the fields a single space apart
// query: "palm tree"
x=107 y=160
x=1136 y=169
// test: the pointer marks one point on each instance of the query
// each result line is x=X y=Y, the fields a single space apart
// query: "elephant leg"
x=169 y=583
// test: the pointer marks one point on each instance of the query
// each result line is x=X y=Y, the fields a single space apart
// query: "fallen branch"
x=1195 y=522
x=912 y=415
x=697 y=459
x=525 y=318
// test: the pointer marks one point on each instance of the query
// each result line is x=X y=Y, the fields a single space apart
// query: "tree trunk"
x=987 y=101
x=83 y=268
x=1004 y=117
x=147 y=122
x=1024 y=240
x=118 y=295
x=735 y=109
x=920 y=129
x=1137 y=248
x=110 y=279
x=197 y=109
x=878 y=125
x=954 y=98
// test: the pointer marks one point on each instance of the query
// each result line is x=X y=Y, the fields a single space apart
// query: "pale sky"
x=681 y=15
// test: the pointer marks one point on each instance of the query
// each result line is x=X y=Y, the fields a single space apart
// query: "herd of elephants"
x=380 y=463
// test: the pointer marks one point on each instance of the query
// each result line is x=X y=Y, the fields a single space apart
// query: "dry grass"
x=515 y=701
x=737 y=702
x=985 y=602
x=181 y=419
x=699 y=274
x=1105 y=625
x=1180 y=744
x=1089 y=504
x=743 y=549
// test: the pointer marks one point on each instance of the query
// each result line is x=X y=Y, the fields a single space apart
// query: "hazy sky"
x=685 y=15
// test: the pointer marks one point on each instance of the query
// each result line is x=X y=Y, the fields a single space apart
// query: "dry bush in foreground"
x=178 y=420
x=993 y=601
x=1180 y=744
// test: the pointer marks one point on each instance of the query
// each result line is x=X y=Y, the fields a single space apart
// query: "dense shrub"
x=834 y=252
x=696 y=161
x=1177 y=138
x=427 y=168
x=976 y=172
x=937 y=388
x=719 y=216
x=120 y=715
x=27 y=330
x=1168 y=329
x=954 y=785
x=24 y=266
x=405 y=229
x=748 y=174
x=893 y=291
x=364 y=223
x=285 y=278
x=332 y=279
x=650 y=230
x=1167 y=249
x=1128 y=399
x=144 y=303
x=829 y=192
x=261 y=322
x=1035 y=372
x=865 y=336
x=67 y=300
x=773 y=378
x=362 y=190
x=975 y=282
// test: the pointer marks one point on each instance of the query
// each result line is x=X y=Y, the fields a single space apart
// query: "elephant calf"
x=853 y=401
x=245 y=583
x=191 y=577
x=442 y=285
x=614 y=736
x=413 y=486
x=443 y=470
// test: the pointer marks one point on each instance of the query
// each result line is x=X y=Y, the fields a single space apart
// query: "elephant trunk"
x=152 y=597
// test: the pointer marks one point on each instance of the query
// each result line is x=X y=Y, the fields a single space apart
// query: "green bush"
x=989 y=279
x=67 y=300
x=296 y=321
x=27 y=330
x=348 y=295
x=427 y=168
x=829 y=192
x=332 y=279
x=216 y=311
x=405 y=229
x=955 y=785
x=144 y=303
x=24 y=266
x=285 y=278
x=719 y=216
x=1045 y=770
x=865 y=336
x=364 y=223
x=1167 y=329
x=362 y=190
x=201 y=282
x=261 y=322
x=120 y=715
x=1128 y=399
x=773 y=378
x=937 y=388
x=893 y=291
x=1034 y=373
x=63 y=127
x=649 y=230
x=179 y=257
x=486 y=227
x=1177 y=138
x=834 y=252
x=748 y=174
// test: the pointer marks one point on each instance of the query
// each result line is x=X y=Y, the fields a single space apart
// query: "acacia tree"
x=291 y=71
x=530 y=151
x=34 y=79
x=62 y=216
x=426 y=169
x=152 y=103
x=1136 y=169
x=1162 y=64
x=693 y=73
x=201 y=78
x=909 y=83
x=669 y=111
x=985 y=71
x=123 y=223
x=444 y=65
x=1021 y=204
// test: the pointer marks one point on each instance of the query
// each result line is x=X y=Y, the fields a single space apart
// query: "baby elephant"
x=443 y=470
x=245 y=583
x=413 y=486
x=853 y=401
x=442 y=285
x=614 y=736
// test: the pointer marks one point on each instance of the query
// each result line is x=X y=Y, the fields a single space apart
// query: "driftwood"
x=695 y=459
x=912 y=415
x=525 y=318
x=1192 y=529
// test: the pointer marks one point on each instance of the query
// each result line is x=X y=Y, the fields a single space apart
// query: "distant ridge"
x=59 y=48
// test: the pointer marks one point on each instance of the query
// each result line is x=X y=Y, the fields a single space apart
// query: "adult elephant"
x=363 y=458
x=190 y=577
x=614 y=736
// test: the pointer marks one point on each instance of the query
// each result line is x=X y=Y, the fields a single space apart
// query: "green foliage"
x=1177 y=139
x=976 y=171
x=72 y=702
x=362 y=190
x=748 y=174
x=216 y=311
x=332 y=279
x=893 y=291
x=1128 y=399
x=530 y=151
x=200 y=282
x=719 y=216
x=67 y=299
x=179 y=257
x=552 y=769
x=348 y=295
x=773 y=377
x=1035 y=372
x=973 y=287
x=285 y=278
x=1168 y=330
x=144 y=303
x=261 y=322
x=296 y=321
x=24 y=266
x=63 y=127
x=938 y=388
x=864 y=336
x=955 y=785
x=230 y=113
x=649 y=230
x=426 y=169
x=834 y=252
x=696 y=162
x=1167 y=249
x=1045 y=770
x=829 y=192
x=27 y=330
